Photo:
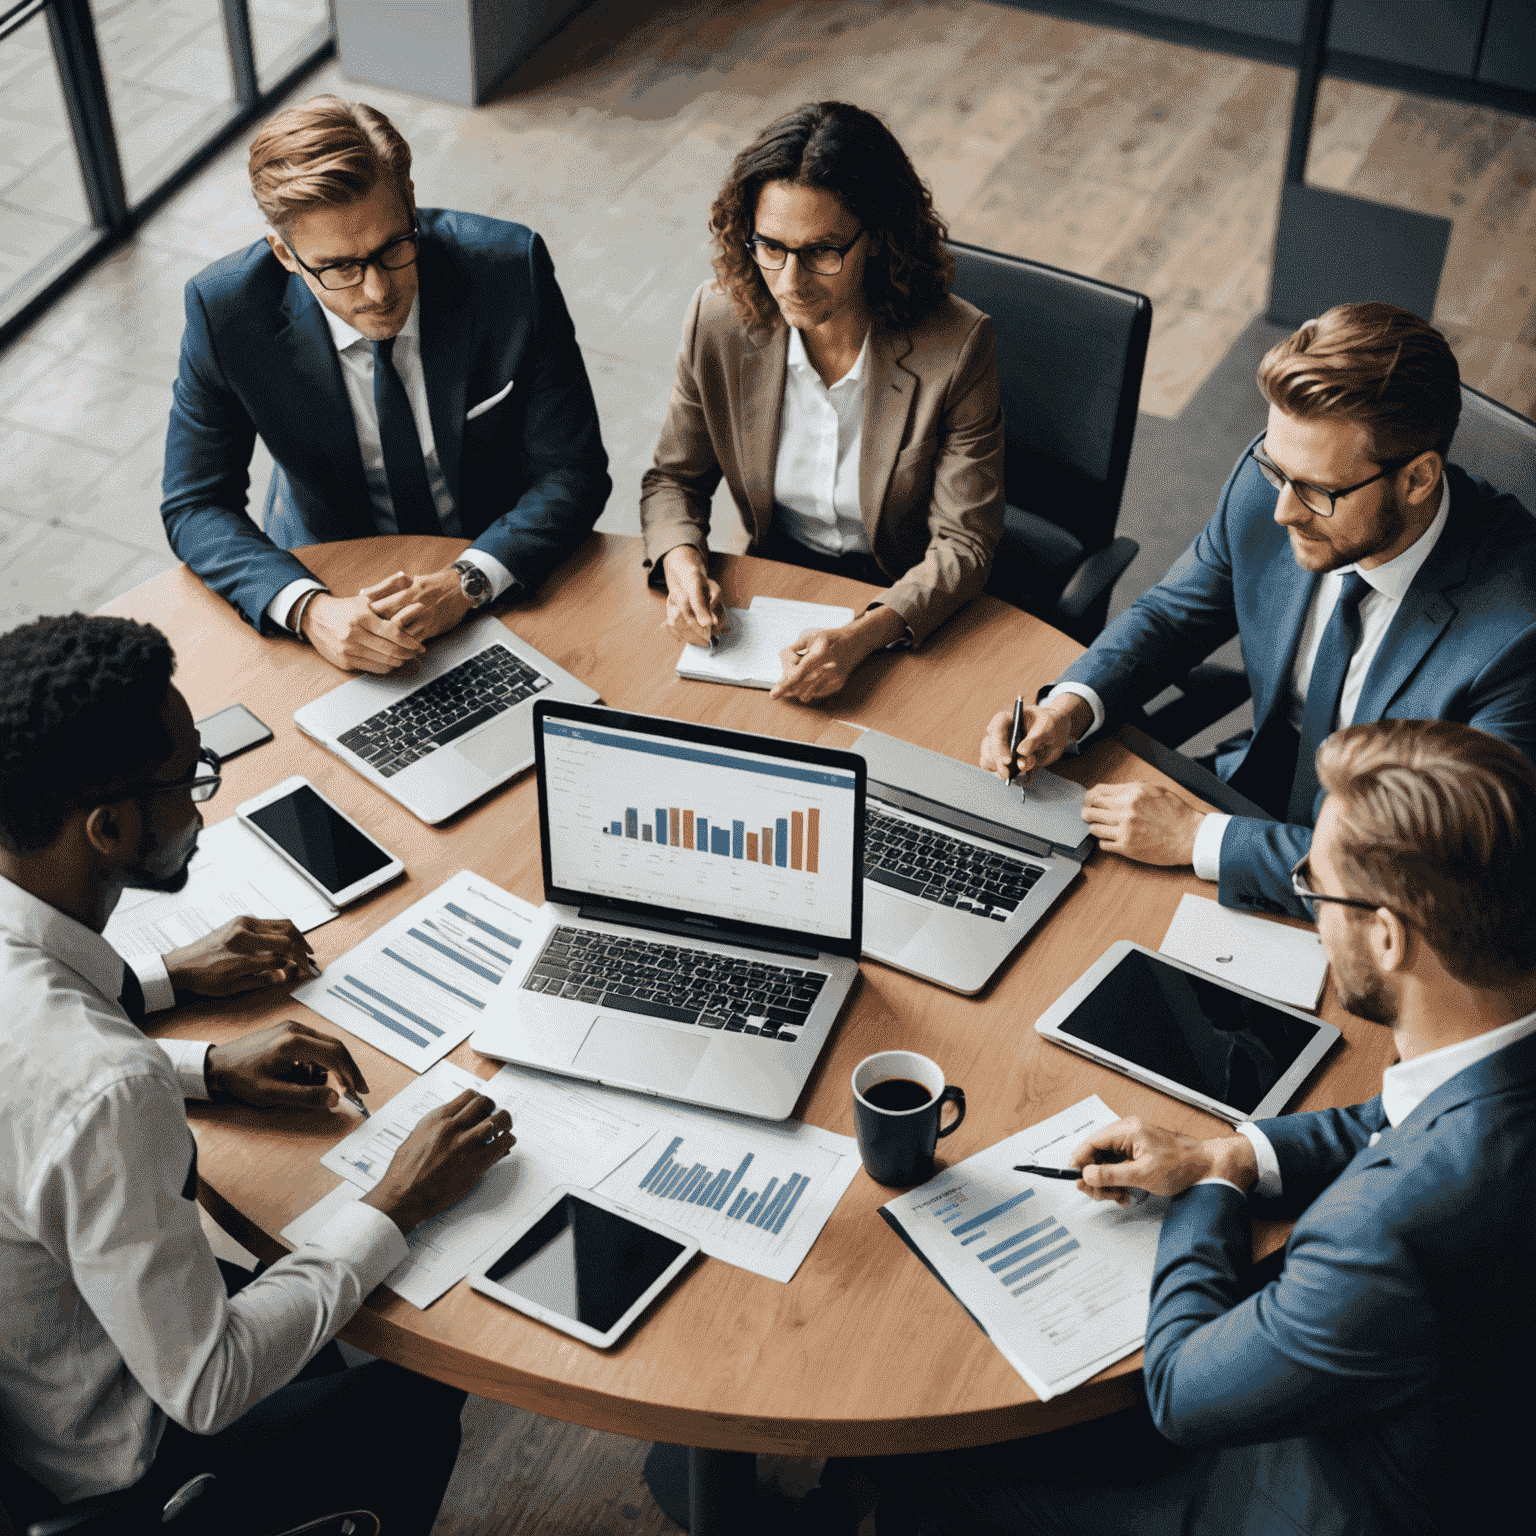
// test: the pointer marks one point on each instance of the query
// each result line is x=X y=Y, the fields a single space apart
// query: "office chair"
x=1492 y=441
x=1070 y=353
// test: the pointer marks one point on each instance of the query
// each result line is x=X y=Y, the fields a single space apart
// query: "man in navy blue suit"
x=1366 y=576
x=1368 y=1390
x=411 y=371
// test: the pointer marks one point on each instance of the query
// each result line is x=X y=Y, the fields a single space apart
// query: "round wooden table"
x=864 y=1352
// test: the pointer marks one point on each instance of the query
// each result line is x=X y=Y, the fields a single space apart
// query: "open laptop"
x=445 y=730
x=704 y=910
x=959 y=866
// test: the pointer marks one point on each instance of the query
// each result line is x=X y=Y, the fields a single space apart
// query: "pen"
x=1013 y=738
x=356 y=1103
x=1048 y=1173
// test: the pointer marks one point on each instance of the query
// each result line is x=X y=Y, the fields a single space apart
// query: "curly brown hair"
x=844 y=150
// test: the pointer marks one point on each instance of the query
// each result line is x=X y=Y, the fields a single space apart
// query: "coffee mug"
x=898 y=1097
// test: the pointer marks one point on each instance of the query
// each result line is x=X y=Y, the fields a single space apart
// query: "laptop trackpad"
x=627 y=1052
x=496 y=748
x=889 y=921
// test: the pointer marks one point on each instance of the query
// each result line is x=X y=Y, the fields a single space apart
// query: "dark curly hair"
x=849 y=152
x=80 y=701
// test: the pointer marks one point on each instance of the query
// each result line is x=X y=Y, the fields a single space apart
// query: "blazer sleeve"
x=208 y=448
x=675 y=492
x=1315 y=1147
x=965 y=509
x=566 y=468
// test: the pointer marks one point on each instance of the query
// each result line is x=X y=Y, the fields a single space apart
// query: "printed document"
x=747 y=653
x=1285 y=963
x=1059 y=1282
x=419 y=985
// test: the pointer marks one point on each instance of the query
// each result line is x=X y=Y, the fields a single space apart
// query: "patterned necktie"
x=1321 y=712
x=404 y=466
x=131 y=998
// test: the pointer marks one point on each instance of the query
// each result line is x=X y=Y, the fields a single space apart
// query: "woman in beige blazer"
x=848 y=399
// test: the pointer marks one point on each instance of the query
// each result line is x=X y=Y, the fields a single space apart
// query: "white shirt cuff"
x=1269 y=1164
x=154 y=982
x=280 y=606
x=1207 y=856
x=1226 y=1183
x=187 y=1058
x=364 y=1238
x=1083 y=691
x=496 y=573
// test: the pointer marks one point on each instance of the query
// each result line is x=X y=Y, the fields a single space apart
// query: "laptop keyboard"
x=947 y=871
x=668 y=981
x=449 y=706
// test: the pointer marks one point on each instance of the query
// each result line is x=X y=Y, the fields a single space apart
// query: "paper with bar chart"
x=420 y=984
x=755 y=837
x=1060 y=1282
x=566 y=1134
x=753 y=1194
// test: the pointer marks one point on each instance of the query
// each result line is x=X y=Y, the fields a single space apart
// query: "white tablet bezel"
x=1049 y=1024
x=371 y=882
x=479 y=1281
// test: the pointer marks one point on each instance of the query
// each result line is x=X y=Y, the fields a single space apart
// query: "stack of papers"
x=1059 y=1282
x=1273 y=959
x=746 y=655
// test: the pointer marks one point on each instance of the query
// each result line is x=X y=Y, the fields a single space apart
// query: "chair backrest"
x=1070 y=353
x=1497 y=443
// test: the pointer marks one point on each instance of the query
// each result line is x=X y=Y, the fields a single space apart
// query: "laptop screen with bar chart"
x=742 y=833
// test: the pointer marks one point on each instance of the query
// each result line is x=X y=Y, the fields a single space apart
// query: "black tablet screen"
x=1191 y=1030
x=585 y=1263
x=331 y=849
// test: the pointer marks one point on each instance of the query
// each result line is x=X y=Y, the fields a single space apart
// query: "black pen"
x=1048 y=1173
x=1013 y=743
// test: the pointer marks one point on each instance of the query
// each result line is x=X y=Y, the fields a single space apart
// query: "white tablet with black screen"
x=582 y=1264
x=1219 y=1047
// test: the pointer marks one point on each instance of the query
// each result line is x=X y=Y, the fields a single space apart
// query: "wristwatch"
x=473 y=583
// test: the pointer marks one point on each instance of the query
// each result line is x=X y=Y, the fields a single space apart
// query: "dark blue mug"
x=898 y=1098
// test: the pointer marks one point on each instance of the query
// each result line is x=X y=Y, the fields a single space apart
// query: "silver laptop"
x=704 y=910
x=959 y=866
x=443 y=731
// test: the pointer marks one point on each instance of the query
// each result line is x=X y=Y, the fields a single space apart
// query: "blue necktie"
x=403 y=464
x=1321 y=712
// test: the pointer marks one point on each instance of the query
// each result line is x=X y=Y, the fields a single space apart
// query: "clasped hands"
x=387 y=624
x=1131 y=1155
x=1144 y=822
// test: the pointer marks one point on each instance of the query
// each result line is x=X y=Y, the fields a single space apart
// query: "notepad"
x=746 y=655
x=1274 y=959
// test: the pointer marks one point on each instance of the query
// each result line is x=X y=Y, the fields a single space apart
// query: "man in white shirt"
x=1366 y=1389
x=411 y=370
x=1366 y=577
x=120 y=1350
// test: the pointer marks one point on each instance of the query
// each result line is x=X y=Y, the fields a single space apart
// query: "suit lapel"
x=1291 y=590
x=760 y=406
x=889 y=391
x=321 y=395
x=447 y=341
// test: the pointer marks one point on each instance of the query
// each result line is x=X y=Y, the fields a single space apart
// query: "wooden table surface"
x=864 y=1351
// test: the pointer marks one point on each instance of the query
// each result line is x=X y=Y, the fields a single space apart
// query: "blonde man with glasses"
x=412 y=370
x=1367 y=578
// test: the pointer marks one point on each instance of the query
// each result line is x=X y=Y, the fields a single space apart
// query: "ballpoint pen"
x=1013 y=744
x=356 y=1103
x=1048 y=1173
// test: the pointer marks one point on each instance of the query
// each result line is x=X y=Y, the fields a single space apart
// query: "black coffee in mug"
x=898 y=1093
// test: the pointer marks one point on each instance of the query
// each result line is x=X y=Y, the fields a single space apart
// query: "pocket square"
x=496 y=399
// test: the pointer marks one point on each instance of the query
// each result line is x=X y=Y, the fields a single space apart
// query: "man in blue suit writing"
x=411 y=371
x=1367 y=1390
x=1366 y=576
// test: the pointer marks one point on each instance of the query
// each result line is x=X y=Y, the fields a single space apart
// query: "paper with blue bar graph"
x=753 y=1193
x=1061 y=1283
x=420 y=984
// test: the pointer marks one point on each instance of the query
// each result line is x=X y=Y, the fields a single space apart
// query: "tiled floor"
x=1141 y=162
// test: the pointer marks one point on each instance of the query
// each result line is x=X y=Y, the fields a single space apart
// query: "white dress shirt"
x=816 y=474
x=1404 y=1086
x=115 y=1313
x=356 y=354
x=1389 y=585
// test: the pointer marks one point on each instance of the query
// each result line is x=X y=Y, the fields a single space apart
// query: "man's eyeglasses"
x=391 y=257
x=823 y=260
x=1301 y=885
x=1314 y=497
x=202 y=784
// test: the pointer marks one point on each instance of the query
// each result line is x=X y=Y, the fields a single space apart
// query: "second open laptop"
x=444 y=730
x=705 y=909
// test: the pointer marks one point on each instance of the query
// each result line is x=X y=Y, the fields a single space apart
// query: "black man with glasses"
x=128 y=1358
x=1366 y=576
x=410 y=370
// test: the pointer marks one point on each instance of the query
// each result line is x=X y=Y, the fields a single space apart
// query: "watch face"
x=473 y=582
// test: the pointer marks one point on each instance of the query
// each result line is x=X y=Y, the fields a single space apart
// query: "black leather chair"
x=1492 y=441
x=1070 y=353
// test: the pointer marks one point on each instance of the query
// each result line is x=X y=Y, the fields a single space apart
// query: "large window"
x=106 y=104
